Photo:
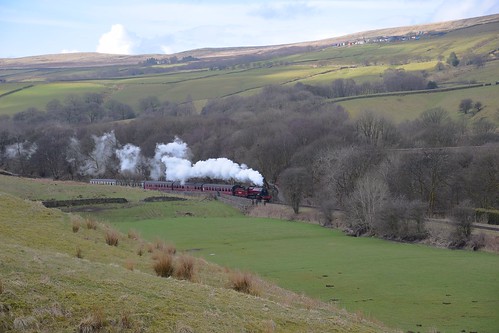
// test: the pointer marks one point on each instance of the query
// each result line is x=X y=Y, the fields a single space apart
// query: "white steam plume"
x=177 y=167
x=99 y=158
x=129 y=157
x=175 y=149
x=21 y=149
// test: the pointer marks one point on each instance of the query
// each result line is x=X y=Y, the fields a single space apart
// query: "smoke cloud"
x=98 y=160
x=129 y=157
x=171 y=161
x=21 y=149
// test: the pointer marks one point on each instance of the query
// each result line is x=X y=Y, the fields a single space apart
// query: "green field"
x=409 y=107
x=45 y=287
x=401 y=285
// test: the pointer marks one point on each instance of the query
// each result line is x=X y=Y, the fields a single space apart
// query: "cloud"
x=117 y=41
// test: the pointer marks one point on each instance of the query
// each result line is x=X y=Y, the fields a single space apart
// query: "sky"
x=37 y=27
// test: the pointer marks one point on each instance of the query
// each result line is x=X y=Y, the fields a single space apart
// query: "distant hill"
x=92 y=59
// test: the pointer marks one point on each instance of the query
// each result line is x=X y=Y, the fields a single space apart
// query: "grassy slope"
x=45 y=288
x=400 y=284
x=311 y=67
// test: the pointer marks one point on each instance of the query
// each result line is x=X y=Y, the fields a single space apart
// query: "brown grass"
x=163 y=264
x=79 y=253
x=133 y=234
x=140 y=250
x=91 y=224
x=92 y=323
x=126 y=321
x=150 y=248
x=76 y=225
x=28 y=323
x=184 y=268
x=129 y=264
x=112 y=238
x=244 y=282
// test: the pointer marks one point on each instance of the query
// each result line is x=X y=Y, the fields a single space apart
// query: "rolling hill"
x=203 y=75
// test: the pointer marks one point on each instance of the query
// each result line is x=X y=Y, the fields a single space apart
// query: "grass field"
x=53 y=279
x=402 y=285
x=409 y=107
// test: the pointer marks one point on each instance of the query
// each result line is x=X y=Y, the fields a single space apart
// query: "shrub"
x=140 y=250
x=163 y=264
x=184 y=268
x=401 y=219
x=1 y=287
x=243 y=282
x=489 y=216
x=91 y=224
x=112 y=238
x=477 y=241
x=462 y=217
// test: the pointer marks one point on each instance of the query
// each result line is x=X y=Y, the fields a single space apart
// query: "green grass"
x=46 y=288
x=409 y=107
x=41 y=93
x=402 y=285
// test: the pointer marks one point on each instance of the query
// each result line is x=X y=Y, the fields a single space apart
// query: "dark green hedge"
x=492 y=216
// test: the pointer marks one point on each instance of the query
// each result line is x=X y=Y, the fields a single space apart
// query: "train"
x=259 y=193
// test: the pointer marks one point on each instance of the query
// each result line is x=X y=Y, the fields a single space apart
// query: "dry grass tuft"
x=244 y=282
x=140 y=250
x=269 y=326
x=184 y=268
x=126 y=321
x=93 y=323
x=129 y=264
x=150 y=248
x=163 y=264
x=91 y=224
x=112 y=238
x=79 y=253
x=22 y=324
x=182 y=328
x=76 y=225
x=133 y=234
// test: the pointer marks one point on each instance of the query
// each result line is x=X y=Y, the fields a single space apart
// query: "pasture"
x=413 y=287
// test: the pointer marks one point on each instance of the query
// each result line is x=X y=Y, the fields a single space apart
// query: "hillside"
x=96 y=59
x=54 y=279
x=204 y=75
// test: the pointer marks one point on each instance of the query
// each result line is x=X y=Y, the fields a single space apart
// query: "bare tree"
x=364 y=204
x=375 y=130
x=295 y=183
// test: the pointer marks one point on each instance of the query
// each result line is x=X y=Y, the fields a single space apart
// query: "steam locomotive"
x=250 y=192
